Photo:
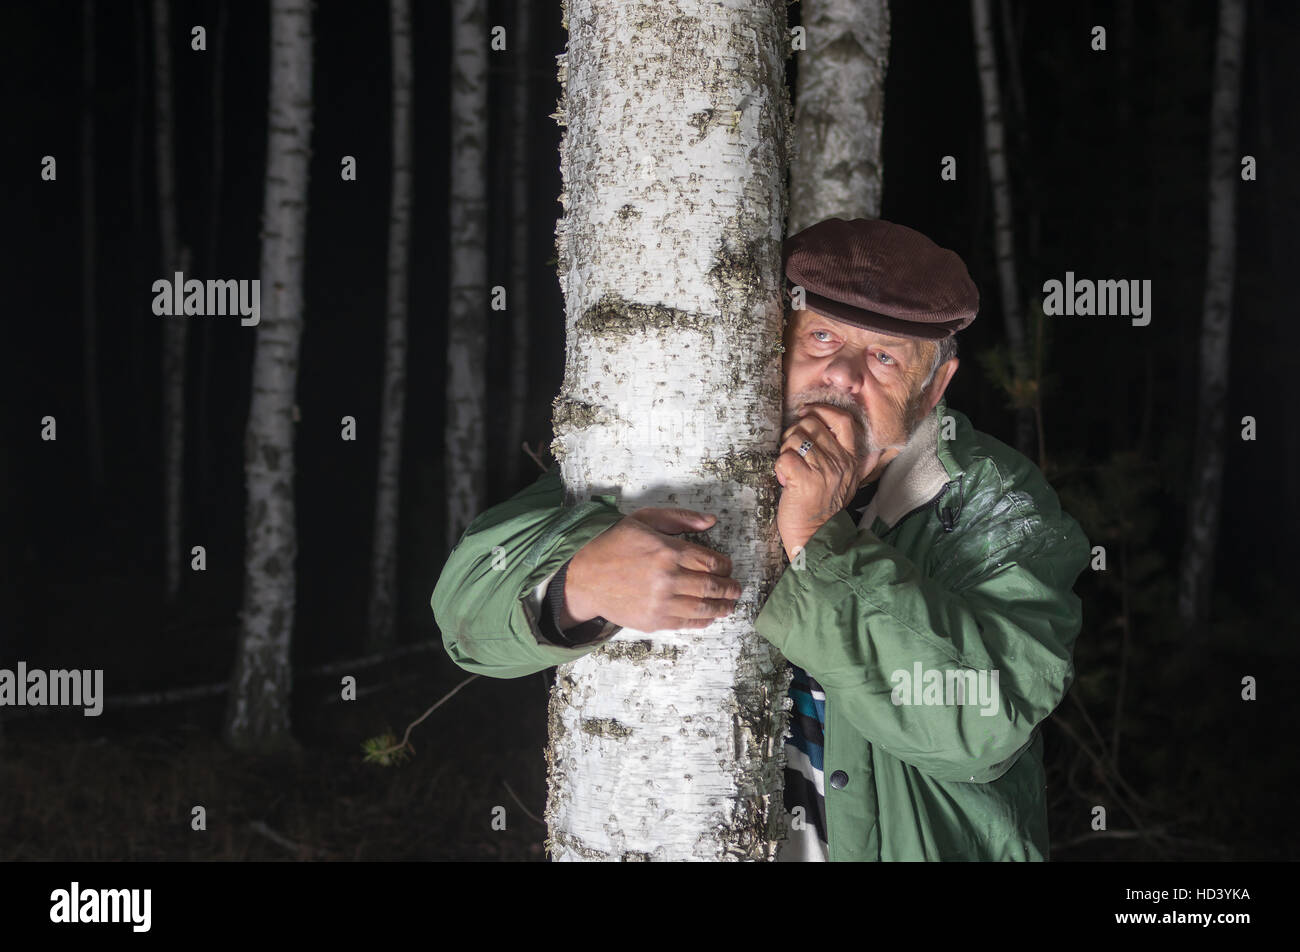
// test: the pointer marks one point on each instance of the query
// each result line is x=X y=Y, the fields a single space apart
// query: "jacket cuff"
x=548 y=619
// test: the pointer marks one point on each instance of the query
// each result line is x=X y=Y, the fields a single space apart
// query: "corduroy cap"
x=881 y=276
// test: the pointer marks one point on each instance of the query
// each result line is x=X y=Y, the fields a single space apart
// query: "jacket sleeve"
x=485 y=601
x=859 y=611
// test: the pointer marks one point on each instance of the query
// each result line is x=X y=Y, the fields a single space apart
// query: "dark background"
x=1108 y=166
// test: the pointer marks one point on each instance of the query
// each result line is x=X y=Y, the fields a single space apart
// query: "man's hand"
x=636 y=575
x=820 y=484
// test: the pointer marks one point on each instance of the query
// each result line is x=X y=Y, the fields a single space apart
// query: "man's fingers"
x=674 y=521
x=697 y=622
x=821 y=434
x=792 y=446
x=675 y=624
x=698 y=558
x=706 y=585
x=796 y=464
x=686 y=606
x=836 y=420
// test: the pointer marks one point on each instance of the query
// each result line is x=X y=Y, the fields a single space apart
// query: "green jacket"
x=963 y=561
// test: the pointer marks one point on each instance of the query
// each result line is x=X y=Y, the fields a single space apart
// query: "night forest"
x=1175 y=723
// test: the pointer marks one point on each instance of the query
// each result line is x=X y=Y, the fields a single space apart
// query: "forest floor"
x=1212 y=774
x=124 y=788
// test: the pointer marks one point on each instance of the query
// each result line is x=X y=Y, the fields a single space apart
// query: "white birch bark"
x=668 y=746
x=1196 y=579
x=518 y=300
x=383 y=582
x=1003 y=224
x=257 y=715
x=175 y=326
x=839 y=109
x=466 y=465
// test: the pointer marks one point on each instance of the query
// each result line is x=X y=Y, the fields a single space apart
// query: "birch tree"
x=839 y=108
x=174 y=327
x=667 y=745
x=518 y=302
x=1196 y=579
x=1003 y=223
x=466 y=466
x=257 y=716
x=383 y=563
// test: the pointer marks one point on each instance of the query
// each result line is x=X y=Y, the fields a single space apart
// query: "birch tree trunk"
x=668 y=746
x=518 y=300
x=839 y=109
x=468 y=311
x=383 y=565
x=1003 y=223
x=257 y=716
x=174 y=327
x=1196 y=579
x=90 y=337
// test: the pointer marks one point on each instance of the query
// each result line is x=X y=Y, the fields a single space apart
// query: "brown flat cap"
x=881 y=276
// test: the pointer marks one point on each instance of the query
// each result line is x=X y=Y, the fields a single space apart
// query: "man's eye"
x=819 y=340
x=884 y=357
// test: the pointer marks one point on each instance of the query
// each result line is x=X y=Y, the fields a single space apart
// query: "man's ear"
x=940 y=383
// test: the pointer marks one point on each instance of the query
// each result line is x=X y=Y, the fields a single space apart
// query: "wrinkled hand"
x=817 y=486
x=637 y=575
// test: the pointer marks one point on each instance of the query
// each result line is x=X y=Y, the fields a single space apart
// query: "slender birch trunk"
x=668 y=745
x=518 y=300
x=383 y=566
x=466 y=465
x=257 y=716
x=174 y=327
x=1196 y=579
x=1003 y=223
x=839 y=109
x=90 y=337
x=1015 y=84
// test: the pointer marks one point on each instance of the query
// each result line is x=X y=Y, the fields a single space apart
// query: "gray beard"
x=866 y=436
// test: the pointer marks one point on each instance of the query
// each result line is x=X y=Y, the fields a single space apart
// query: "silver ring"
x=804 y=447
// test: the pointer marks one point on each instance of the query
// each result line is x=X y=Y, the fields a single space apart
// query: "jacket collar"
x=915 y=476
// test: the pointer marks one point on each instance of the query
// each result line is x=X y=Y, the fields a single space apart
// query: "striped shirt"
x=805 y=775
x=805 y=790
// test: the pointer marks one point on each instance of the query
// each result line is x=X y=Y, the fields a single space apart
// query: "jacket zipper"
x=925 y=505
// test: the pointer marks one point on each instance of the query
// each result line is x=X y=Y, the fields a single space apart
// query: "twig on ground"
x=385 y=754
x=257 y=826
x=527 y=813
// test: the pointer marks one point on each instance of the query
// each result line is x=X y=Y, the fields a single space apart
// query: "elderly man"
x=927 y=611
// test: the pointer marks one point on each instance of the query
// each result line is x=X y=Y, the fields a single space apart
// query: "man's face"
x=875 y=377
